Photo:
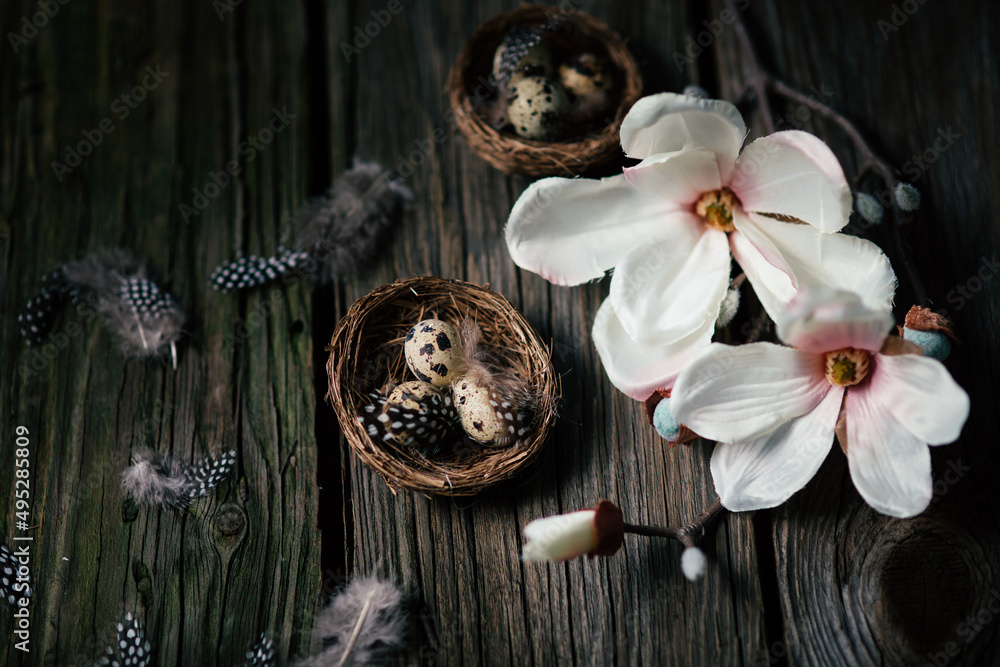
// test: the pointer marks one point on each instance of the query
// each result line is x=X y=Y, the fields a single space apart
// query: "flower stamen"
x=716 y=209
x=847 y=367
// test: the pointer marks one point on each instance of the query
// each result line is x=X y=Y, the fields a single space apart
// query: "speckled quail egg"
x=414 y=414
x=486 y=416
x=412 y=395
x=537 y=108
x=433 y=352
x=537 y=61
x=584 y=74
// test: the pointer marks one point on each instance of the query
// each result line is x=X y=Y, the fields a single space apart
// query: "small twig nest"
x=366 y=354
x=470 y=78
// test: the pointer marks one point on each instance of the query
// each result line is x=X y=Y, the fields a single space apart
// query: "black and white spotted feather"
x=145 y=320
x=433 y=427
x=262 y=654
x=251 y=271
x=516 y=44
x=132 y=649
x=10 y=588
x=164 y=481
x=331 y=236
x=37 y=315
x=362 y=626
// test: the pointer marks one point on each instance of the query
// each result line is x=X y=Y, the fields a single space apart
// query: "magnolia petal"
x=668 y=122
x=766 y=472
x=890 y=466
x=681 y=177
x=560 y=537
x=637 y=370
x=823 y=319
x=570 y=231
x=809 y=258
x=921 y=394
x=773 y=287
x=666 y=291
x=793 y=173
x=740 y=393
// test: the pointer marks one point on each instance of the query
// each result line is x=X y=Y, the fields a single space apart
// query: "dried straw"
x=366 y=353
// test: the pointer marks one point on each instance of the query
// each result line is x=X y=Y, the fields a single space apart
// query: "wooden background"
x=821 y=580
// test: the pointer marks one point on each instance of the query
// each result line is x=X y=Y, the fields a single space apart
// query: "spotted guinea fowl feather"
x=329 y=237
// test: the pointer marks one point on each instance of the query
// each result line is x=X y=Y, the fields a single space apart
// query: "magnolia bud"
x=664 y=422
x=932 y=332
x=935 y=345
x=594 y=532
x=659 y=416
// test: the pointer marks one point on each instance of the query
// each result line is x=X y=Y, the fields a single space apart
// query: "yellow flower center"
x=716 y=209
x=847 y=367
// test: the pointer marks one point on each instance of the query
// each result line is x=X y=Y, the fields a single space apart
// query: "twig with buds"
x=761 y=81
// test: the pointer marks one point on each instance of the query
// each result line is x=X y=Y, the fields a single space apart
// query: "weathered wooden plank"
x=835 y=583
x=246 y=560
x=462 y=557
x=857 y=587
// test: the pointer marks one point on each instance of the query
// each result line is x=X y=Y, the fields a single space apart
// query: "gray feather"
x=488 y=370
x=341 y=230
x=145 y=320
x=164 y=481
x=330 y=236
x=362 y=626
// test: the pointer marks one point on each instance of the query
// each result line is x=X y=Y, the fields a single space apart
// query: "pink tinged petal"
x=824 y=319
x=666 y=291
x=570 y=231
x=890 y=466
x=637 y=370
x=560 y=537
x=810 y=258
x=793 y=173
x=766 y=472
x=668 y=122
x=922 y=396
x=680 y=177
x=740 y=393
x=773 y=287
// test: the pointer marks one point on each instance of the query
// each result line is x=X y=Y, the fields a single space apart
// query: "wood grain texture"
x=244 y=561
x=857 y=587
x=821 y=580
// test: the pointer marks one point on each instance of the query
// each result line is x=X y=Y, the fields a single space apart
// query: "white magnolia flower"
x=774 y=410
x=594 y=532
x=670 y=225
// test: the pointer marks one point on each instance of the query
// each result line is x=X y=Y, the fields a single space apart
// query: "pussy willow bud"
x=907 y=196
x=868 y=207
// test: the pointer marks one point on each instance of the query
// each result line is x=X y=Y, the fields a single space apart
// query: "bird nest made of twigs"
x=471 y=85
x=366 y=355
